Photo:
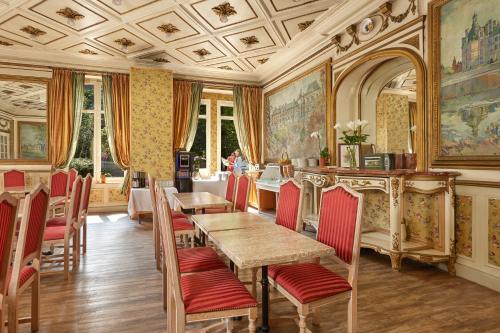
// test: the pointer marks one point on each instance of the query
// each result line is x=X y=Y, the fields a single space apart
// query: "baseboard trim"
x=108 y=209
x=477 y=276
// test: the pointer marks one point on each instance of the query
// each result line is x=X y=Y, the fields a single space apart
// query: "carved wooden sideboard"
x=406 y=214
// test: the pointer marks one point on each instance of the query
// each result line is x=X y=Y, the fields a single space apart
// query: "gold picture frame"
x=440 y=142
x=330 y=143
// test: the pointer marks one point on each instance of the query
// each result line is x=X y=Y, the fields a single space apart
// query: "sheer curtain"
x=248 y=120
x=60 y=117
x=117 y=116
x=181 y=118
x=78 y=80
x=196 y=92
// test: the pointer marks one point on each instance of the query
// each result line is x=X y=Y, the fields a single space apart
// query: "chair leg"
x=352 y=323
x=252 y=317
x=316 y=316
x=35 y=303
x=74 y=252
x=302 y=324
x=165 y=285
x=13 y=323
x=192 y=240
x=229 y=325
x=84 y=238
x=66 y=260
x=254 y=282
x=157 y=248
x=2 y=314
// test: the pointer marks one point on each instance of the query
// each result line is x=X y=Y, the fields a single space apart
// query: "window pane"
x=84 y=149
x=108 y=166
x=203 y=109
x=229 y=141
x=226 y=111
x=199 y=148
x=88 y=101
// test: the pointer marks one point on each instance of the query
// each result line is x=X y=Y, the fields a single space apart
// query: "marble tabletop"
x=266 y=245
x=200 y=200
x=228 y=221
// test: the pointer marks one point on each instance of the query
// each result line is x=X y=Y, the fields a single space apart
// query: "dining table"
x=199 y=201
x=262 y=245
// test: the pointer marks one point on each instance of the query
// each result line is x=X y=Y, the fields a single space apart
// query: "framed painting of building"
x=464 y=74
x=32 y=140
x=296 y=109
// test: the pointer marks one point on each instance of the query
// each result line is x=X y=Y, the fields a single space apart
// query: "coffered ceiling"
x=202 y=36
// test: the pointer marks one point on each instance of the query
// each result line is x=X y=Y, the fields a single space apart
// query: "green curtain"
x=239 y=124
x=78 y=80
x=107 y=101
x=196 y=92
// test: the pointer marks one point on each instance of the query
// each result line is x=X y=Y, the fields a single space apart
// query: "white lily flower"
x=413 y=128
x=350 y=125
x=337 y=126
x=357 y=123
x=315 y=135
x=363 y=123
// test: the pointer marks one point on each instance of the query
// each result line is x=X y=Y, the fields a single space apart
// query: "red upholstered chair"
x=73 y=173
x=63 y=230
x=84 y=209
x=191 y=260
x=230 y=189
x=8 y=217
x=202 y=296
x=59 y=185
x=26 y=266
x=242 y=193
x=184 y=228
x=13 y=178
x=310 y=285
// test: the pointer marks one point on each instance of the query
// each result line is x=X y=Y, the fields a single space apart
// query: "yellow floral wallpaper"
x=213 y=125
x=392 y=123
x=421 y=217
x=116 y=195
x=151 y=121
x=96 y=195
x=494 y=231
x=463 y=225
x=376 y=211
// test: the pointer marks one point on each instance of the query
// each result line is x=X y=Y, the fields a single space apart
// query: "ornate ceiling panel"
x=199 y=36
x=72 y=14
x=23 y=98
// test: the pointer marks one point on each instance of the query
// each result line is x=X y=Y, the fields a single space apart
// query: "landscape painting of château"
x=470 y=78
x=294 y=111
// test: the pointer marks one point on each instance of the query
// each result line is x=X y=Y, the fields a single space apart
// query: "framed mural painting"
x=295 y=110
x=32 y=140
x=464 y=59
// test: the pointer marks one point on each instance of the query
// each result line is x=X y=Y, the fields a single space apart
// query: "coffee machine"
x=183 y=171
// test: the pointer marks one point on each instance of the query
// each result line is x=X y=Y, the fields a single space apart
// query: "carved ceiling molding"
x=70 y=14
x=385 y=13
x=250 y=40
x=223 y=11
x=161 y=60
x=88 y=52
x=125 y=43
x=202 y=52
x=304 y=25
x=32 y=31
x=168 y=28
x=4 y=43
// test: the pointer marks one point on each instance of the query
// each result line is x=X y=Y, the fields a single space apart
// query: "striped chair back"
x=13 y=178
x=8 y=218
x=72 y=176
x=59 y=183
x=290 y=205
x=242 y=193
x=87 y=187
x=231 y=186
x=75 y=202
x=340 y=225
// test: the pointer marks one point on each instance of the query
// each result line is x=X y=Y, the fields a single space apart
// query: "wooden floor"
x=117 y=290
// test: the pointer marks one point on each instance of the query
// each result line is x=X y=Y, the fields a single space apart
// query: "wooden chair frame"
x=247 y=196
x=71 y=221
x=57 y=201
x=313 y=307
x=84 y=211
x=11 y=170
x=20 y=262
x=177 y=318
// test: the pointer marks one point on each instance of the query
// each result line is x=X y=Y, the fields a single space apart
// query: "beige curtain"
x=78 y=97
x=61 y=117
x=194 y=110
x=239 y=121
x=182 y=104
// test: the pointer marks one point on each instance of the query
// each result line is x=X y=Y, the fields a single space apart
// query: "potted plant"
x=104 y=174
x=353 y=135
x=323 y=157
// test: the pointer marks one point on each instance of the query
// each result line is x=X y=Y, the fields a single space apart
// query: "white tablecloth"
x=212 y=185
x=139 y=201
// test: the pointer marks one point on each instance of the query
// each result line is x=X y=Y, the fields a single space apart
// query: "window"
x=201 y=143
x=4 y=146
x=92 y=153
x=227 y=141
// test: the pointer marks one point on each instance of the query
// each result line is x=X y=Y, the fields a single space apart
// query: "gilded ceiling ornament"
x=124 y=43
x=250 y=40
x=225 y=67
x=262 y=60
x=351 y=31
x=161 y=60
x=386 y=11
x=223 y=11
x=304 y=25
x=88 y=51
x=32 y=31
x=70 y=14
x=202 y=52
x=4 y=43
x=168 y=29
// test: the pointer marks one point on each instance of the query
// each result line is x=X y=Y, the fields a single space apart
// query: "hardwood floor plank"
x=117 y=289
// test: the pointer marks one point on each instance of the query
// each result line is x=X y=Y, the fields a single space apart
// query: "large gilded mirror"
x=23 y=120
x=387 y=89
